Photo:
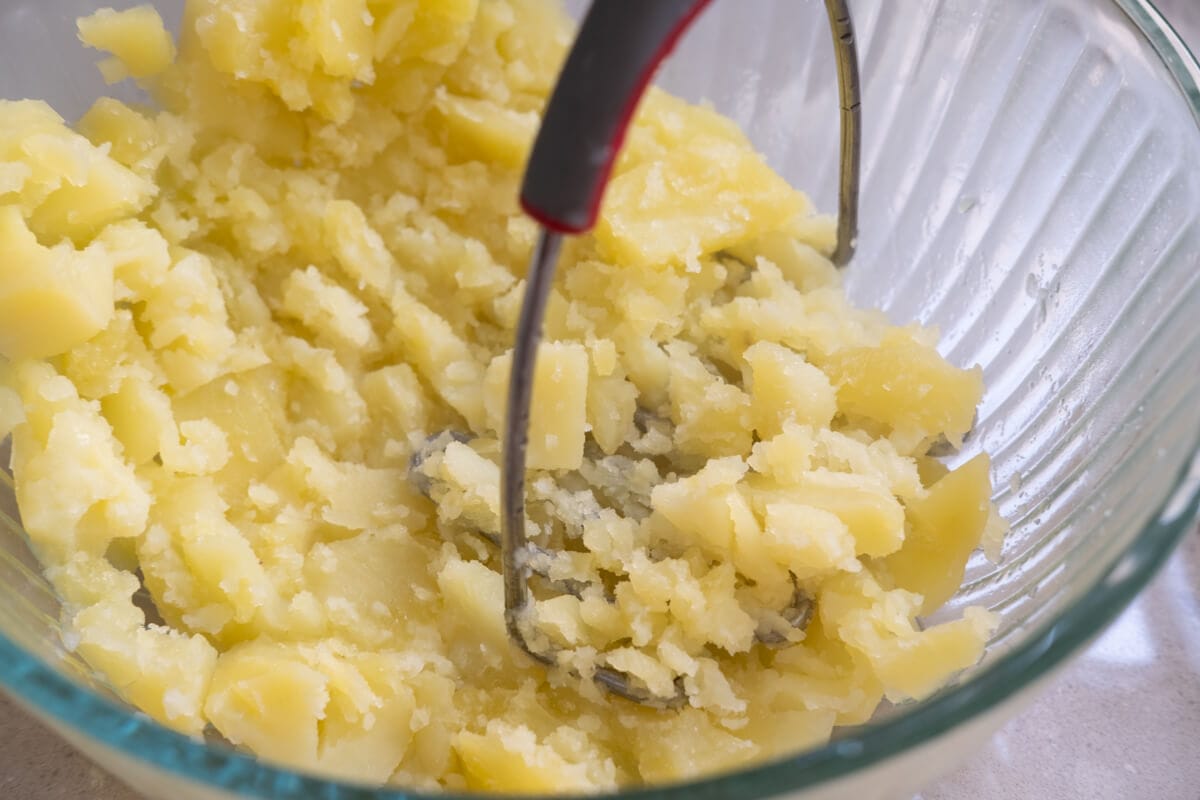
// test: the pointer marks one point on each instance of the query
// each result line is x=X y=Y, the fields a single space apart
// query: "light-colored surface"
x=1123 y=721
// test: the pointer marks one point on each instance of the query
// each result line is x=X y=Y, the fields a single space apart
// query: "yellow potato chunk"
x=51 y=298
x=690 y=202
x=787 y=388
x=558 y=409
x=136 y=38
x=688 y=743
x=871 y=513
x=65 y=185
x=441 y=356
x=484 y=131
x=611 y=405
x=699 y=505
x=811 y=541
x=474 y=594
x=75 y=490
x=906 y=385
x=133 y=137
x=712 y=416
x=334 y=313
x=507 y=758
x=944 y=527
x=264 y=697
x=915 y=669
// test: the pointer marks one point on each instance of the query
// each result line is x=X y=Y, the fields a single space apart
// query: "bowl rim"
x=134 y=735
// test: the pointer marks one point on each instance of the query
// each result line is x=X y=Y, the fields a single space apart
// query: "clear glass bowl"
x=1032 y=182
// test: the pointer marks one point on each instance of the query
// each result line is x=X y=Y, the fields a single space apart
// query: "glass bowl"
x=1031 y=186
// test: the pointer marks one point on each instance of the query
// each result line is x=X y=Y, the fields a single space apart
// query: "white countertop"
x=1122 y=721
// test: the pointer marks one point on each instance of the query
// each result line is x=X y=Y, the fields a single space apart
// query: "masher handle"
x=619 y=47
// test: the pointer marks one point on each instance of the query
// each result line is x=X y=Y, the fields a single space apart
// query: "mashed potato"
x=234 y=326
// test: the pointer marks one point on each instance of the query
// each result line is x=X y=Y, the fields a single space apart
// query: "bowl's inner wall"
x=1031 y=180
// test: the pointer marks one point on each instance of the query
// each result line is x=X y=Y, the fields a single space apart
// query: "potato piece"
x=909 y=663
x=441 y=356
x=810 y=541
x=509 y=758
x=265 y=698
x=690 y=202
x=51 y=298
x=466 y=487
x=474 y=595
x=699 y=505
x=64 y=186
x=914 y=669
x=558 y=410
x=611 y=405
x=163 y=672
x=712 y=416
x=396 y=399
x=801 y=264
x=187 y=322
x=863 y=502
x=136 y=37
x=785 y=387
x=824 y=674
x=75 y=490
x=367 y=747
x=141 y=419
x=349 y=495
x=483 y=131
x=909 y=387
x=335 y=315
x=133 y=138
x=687 y=744
x=944 y=527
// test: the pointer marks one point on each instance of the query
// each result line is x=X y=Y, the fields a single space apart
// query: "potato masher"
x=618 y=49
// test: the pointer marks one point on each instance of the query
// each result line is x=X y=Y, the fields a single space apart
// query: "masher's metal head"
x=618 y=48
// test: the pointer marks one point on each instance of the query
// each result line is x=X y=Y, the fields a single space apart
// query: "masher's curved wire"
x=514 y=547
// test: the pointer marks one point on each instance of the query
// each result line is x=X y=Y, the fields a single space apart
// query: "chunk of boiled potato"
x=51 y=298
x=136 y=37
x=65 y=186
x=785 y=387
x=822 y=673
x=863 y=502
x=441 y=356
x=878 y=623
x=944 y=527
x=699 y=505
x=474 y=595
x=693 y=200
x=915 y=668
x=264 y=697
x=801 y=263
x=484 y=131
x=810 y=541
x=908 y=386
x=558 y=412
x=76 y=491
x=164 y=672
x=133 y=138
x=712 y=416
x=509 y=758
x=141 y=418
x=611 y=405
x=687 y=744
